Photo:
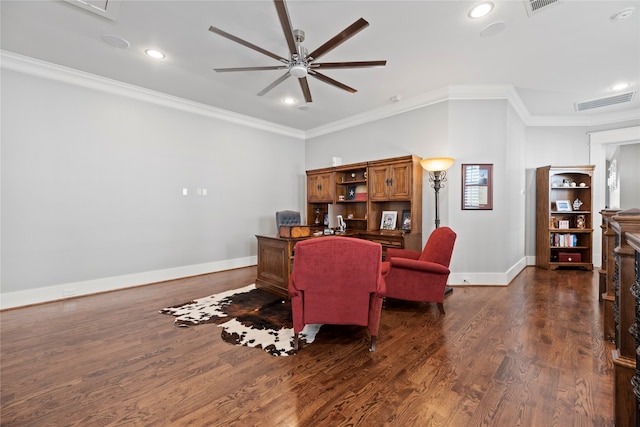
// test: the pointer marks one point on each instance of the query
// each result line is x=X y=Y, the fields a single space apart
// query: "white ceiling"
x=569 y=52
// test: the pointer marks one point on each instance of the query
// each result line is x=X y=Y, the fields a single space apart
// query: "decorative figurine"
x=576 y=204
x=581 y=221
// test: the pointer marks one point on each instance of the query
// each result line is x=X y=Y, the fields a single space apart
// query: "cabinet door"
x=320 y=188
x=400 y=181
x=391 y=182
x=378 y=183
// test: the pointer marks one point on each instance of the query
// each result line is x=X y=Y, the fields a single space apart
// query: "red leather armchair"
x=338 y=281
x=420 y=276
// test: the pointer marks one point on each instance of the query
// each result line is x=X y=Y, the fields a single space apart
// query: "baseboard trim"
x=88 y=287
x=487 y=279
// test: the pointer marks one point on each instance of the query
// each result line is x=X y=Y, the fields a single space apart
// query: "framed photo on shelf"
x=563 y=206
x=406 y=220
x=388 y=221
x=477 y=186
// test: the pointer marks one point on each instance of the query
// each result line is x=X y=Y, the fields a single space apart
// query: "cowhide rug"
x=249 y=317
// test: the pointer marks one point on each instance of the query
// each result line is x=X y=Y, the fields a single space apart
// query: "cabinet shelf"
x=570 y=212
x=351 y=182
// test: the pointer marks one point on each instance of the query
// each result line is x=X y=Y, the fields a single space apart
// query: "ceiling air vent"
x=605 y=102
x=107 y=8
x=535 y=6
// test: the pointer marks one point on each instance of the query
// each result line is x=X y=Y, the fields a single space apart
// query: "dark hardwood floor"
x=530 y=354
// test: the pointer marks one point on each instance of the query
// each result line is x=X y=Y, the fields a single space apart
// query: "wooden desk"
x=275 y=255
x=275 y=262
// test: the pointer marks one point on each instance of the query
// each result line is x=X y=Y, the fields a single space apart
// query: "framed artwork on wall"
x=477 y=186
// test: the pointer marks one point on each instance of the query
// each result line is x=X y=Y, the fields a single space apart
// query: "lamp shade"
x=437 y=163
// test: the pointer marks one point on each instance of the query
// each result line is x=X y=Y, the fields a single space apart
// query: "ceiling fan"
x=301 y=64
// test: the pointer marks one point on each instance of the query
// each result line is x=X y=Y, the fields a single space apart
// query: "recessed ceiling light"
x=289 y=100
x=154 y=53
x=623 y=14
x=481 y=10
x=620 y=86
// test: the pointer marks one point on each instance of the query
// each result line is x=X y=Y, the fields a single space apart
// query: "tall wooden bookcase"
x=564 y=217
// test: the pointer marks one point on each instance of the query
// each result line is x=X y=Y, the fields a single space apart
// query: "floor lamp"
x=437 y=167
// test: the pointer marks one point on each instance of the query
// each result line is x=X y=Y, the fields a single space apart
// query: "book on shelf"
x=565 y=240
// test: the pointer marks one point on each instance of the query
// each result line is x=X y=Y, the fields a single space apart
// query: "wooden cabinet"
x=396 y=185
x=564 y=217
x=320 y=187
x=390 y=181
x=360 y=192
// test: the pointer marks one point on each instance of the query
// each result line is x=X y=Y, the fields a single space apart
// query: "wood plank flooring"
x=530 y=354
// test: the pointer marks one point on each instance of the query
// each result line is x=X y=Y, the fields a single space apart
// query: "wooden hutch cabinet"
x=564 y=217
x=362 y=191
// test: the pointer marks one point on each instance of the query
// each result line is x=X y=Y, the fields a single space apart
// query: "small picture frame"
x=563 y=206
x=477 y=186
x=563 y=224
x=388 y=220
x=406 y=221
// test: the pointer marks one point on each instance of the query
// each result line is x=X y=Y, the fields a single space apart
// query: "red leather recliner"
x=338 y=281
x=420 y=276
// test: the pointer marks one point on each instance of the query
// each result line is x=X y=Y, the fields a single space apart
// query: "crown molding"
x=43 y=69
x=47 y=70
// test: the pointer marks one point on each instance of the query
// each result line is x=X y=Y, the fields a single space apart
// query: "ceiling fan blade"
x=304 y=85
x=340 y=38
x=332 y=82
x=247 y=44
x=283 y=14
x=279 y=80
x=274 y=67
x=351 y=64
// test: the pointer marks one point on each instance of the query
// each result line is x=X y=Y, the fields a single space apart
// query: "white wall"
x=628 y=176
x=92 y=189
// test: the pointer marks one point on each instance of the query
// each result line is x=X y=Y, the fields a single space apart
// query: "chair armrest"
x=426 y=266
x=293 y=291
x=402 y=253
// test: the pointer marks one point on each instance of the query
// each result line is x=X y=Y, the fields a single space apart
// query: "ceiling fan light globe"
x=298 y=71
